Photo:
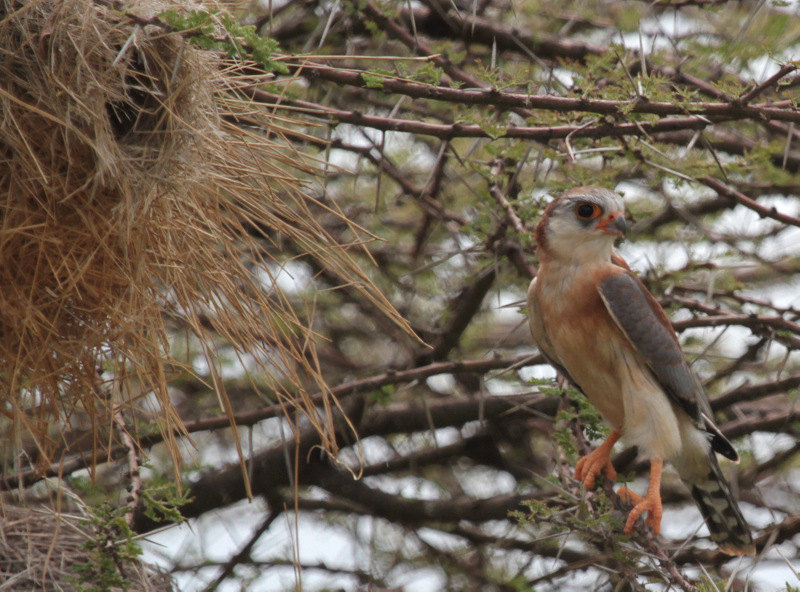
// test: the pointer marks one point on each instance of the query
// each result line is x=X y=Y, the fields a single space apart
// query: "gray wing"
x=641 y=318
x=540 y=335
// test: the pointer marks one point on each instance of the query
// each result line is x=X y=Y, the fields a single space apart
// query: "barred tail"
x=713 y=496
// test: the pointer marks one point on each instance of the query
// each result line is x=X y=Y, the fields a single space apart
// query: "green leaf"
x=373 y=80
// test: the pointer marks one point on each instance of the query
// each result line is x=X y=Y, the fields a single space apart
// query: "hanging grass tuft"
x=134 y=207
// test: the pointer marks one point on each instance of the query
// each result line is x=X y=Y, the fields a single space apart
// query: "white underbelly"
x=651 y=420
x=631 y=401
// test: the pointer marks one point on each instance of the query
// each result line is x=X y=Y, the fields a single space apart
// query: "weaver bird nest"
x=133 y=203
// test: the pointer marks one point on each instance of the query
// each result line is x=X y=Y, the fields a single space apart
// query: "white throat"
x=568 y=243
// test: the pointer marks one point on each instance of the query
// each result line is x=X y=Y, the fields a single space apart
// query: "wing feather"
x=640 y=317
x=647 y=327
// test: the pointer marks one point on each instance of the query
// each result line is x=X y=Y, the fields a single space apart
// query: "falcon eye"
x=587 y=211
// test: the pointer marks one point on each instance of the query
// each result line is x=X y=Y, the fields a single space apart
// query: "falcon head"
x=581 y=225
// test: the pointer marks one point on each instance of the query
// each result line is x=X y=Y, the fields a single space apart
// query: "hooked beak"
x=614 y=224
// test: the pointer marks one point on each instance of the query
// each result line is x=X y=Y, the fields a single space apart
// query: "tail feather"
x=724 y=519
x=719 y=443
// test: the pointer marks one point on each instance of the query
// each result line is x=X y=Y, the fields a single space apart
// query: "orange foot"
x=650 y=503
x=596 y=462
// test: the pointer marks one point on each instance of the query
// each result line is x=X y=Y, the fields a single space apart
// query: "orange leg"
x=650 y=503
x=597 y=461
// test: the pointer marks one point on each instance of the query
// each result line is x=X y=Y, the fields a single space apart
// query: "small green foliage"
x=109 y=549
x=538 y=508
x=729 y=85
x=88 y=491
x=376 y=32
x=654 y=87
x=374 y=78
x=520 y=584
x=538 y=513
x=239 y=42
x=197 y=24
x=597 y=67
x=453 y=54
x=584 y=413
x=162 y=502
x=706 y=584
x=429 y=73
x=685 y=95
x=519 y=516
x=111 y=546
x=383 y=395
x=588 y=415
x=600 y=518
x=546 y=387
x=563 y=435
x=492 y=76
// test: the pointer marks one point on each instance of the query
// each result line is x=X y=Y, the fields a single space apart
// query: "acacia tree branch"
x=408 y=511
x=438 y=21
x=459 y=130
x=718 y=111
x=252 y=417
x=134 y=464
x=416 y=45
x=769 y=421
x=224 y=486
x=747 y=392
x=758 y=89
x=738 y=197
x=243 y=555
x=776 y=534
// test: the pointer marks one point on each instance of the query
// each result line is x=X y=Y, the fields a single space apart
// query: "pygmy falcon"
x=598 y=325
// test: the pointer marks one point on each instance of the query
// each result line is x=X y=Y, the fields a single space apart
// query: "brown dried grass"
x=128 y=203
x=39 y=549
